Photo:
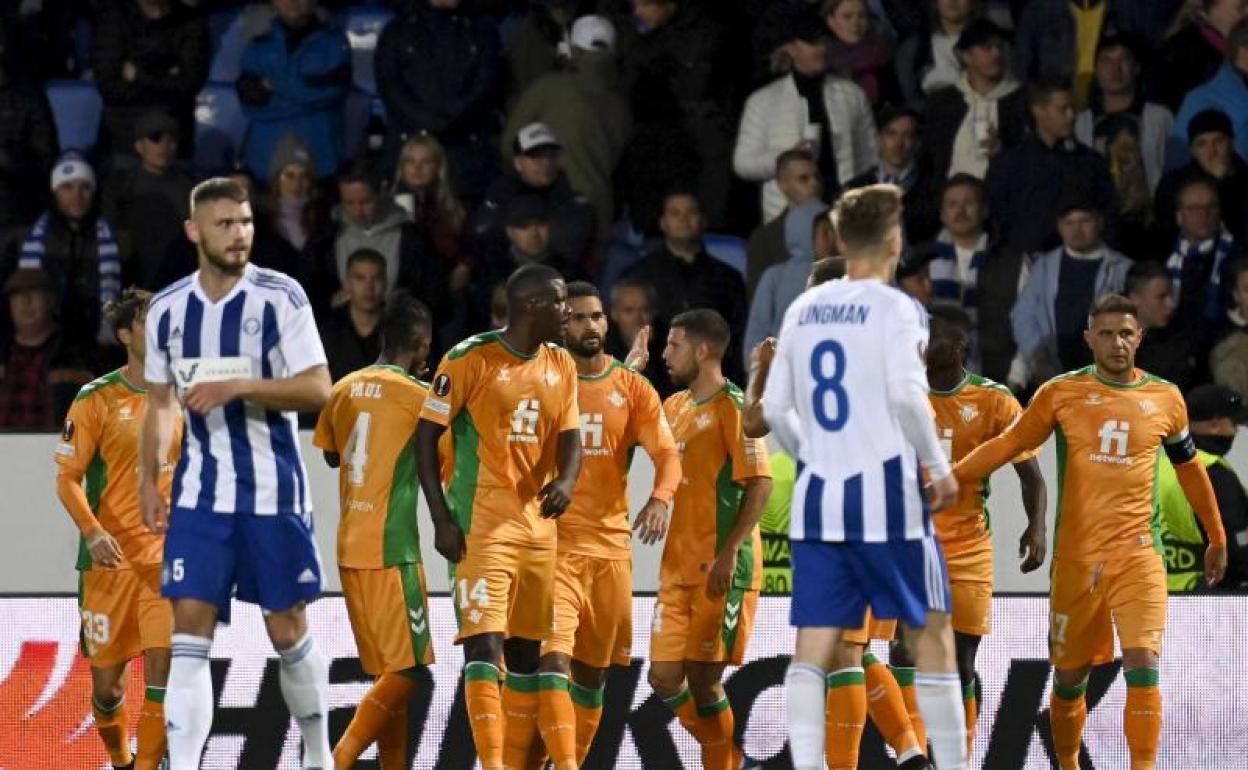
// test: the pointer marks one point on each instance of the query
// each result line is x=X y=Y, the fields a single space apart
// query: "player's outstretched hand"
x=206 y=396
x=639 y=355
x=448 y=539
x=942 y=493
x=1215 y=564
x=763 y=354
x=720 y=578
x=104 y=549
x=556 y=497
x=155 y=509
x=1032 y=547
x=651 y=523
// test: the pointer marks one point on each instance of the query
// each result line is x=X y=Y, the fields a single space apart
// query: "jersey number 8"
x=828 y=384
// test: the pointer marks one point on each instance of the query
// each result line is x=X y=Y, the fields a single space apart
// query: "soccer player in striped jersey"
x=509 y=399
x=711 y=570
x=1112 y=421
x=123 y=614
x=620 y=410
x=847 y=396
x=237 y=346
x=368 y=431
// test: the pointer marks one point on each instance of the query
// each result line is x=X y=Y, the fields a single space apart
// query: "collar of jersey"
x=121 y=377
x=1142 y=380
x=611 y=364
x=709 y=398
x=396 y=370
x=966 y=378
x=500 y=339
x=198 y=288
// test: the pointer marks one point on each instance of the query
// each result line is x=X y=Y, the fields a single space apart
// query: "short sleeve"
x=1009 y=410
x=452 y=384
x=905 y=344
x=156 y=358
x=80 y=438
x=749 y=455
x=569 y=410
x=300 y=342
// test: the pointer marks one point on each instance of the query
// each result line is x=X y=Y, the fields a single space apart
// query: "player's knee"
x=1138 y=657
x=588 y=676
x=967 y=648
x=666 y=678
x=1071 y=677
x=484 y=648
x=286 y=628
x=108 y=691
x=556 y=663
x=847 y=655
x=900 y=655
x=156 y=666
x=523 y=656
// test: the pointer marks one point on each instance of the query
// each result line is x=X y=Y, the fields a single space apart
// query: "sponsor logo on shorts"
x=307 y=576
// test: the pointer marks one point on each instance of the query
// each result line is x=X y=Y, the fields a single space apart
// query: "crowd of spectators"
x=679 y=153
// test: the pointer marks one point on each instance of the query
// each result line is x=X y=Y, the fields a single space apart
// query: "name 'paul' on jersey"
x=239 y=458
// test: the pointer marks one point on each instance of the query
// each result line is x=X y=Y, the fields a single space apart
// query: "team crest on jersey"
x=1094 y=399
x=442 y=385
x=552 y=378
x=251 y=326
x=504 y=375
x=1148 y=407
x=125 y=413
x=969 y=412
x=67 y=432
x=703 y=422
x=616 y=399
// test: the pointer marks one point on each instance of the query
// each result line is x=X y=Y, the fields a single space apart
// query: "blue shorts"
x=271 y=561
x=834 y=583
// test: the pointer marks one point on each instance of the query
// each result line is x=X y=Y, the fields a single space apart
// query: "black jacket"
x=945 y=111
x=1232 y=195
x=921 y=203
x=573 y=223
x=171 y=57
x=1184 y=62
x=27 y=150
x=345 y=349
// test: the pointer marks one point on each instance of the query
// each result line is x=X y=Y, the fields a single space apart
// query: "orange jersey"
x=99 y=449
x=1109 y=436
x=619 y=410
x=977 y=410
x=370 y=423
x=505 y=411
x=717 y=459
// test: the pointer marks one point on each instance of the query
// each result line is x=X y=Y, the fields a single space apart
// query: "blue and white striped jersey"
x=239 y=458
x=843 y=347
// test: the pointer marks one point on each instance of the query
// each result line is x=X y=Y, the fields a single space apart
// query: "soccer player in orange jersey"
x=367 y=431
x=620 y=410
x=1111 y=421
x=123 y=614
x=712 y=563
x=509 y=399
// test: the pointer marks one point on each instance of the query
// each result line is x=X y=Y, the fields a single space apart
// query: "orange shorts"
x=123 y=614
x=872 y=628
x=970 y=582
x=389 y=617
x=504 y=588
x=1088 y=600
x=689 y=625
x=593 y=610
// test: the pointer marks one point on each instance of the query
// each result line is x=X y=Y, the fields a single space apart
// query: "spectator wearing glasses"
x=1201 y=258
x=1210 y=140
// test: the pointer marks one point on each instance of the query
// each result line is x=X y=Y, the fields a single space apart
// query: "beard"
x=227 y=261
x=585 y=347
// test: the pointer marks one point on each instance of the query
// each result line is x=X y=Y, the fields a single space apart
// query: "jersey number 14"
x=827 y=369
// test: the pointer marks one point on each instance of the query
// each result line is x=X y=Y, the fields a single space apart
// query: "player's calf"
x=151 y=728
x=939 y=689
x=108 y=706
x=1142 y=714
x=304 y=679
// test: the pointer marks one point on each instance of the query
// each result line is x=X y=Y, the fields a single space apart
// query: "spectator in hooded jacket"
x=927 y=61
x=27 y=150
x=147 y=55
x=1194 y=48
x=783 y=283
x=294 y=79
x=1227 y=90
x=798 y=179
x=809 y=109
x=538 y=43
x=438 y=71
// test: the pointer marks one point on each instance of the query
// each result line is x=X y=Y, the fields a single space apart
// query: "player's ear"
x=192 y=230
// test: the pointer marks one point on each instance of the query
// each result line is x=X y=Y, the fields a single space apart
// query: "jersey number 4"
x=829 y=355
x=357 y=449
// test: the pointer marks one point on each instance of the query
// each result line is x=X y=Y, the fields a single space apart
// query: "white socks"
x=188 y=701
x=805 y=695
x=305 y=681
x=940 y=703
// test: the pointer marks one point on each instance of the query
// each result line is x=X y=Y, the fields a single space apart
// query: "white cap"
x=70 y=168
x=536 y=136
x=590 y=33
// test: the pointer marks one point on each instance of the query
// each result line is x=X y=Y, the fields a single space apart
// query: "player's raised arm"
x=655 y=436
x=753 y=421
x=1181 y=451
x=1028 y=432
x=779 y=407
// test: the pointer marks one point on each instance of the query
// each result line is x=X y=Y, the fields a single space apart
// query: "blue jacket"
x=1034 y=318
x=1226 y=91
x=310 y=86
x=785 y=282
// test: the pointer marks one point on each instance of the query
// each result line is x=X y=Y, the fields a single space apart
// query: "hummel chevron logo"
x=419 y=623
x=732 y=614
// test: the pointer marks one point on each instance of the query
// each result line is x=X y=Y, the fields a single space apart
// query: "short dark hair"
x=792 y=155
x=826 y=269
x=367 y=255
x=949 y=314
x=890 y=113
x=864 y=217
x=705 y=325
x=120 y=313
x=403 y=321
x=359 y=171
x=963 y=179
x=1141 y=273
x=680 y=191
x=639 y=283
x=525 y=282
x=1111 y=303
x=1195 y=180
x=218 y=188
x=582 y=289
x=1040 y=90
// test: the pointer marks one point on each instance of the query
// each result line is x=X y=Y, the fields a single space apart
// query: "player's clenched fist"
x=155 y=508
x=556 y=497
x=448 y=539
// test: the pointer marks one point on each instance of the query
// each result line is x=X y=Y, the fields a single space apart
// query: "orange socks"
x=846 y=718
x=1142 y=717
x=520 y=709
x=971 y=706
x=384 y=705
x=905 y=680
x=1068 y=710
x=718 y=750
x=686 y=713
x=111 y=722
x=887 y=708
x=557 y=720
x=587 y=704
x=151 y=730
x=485 y=712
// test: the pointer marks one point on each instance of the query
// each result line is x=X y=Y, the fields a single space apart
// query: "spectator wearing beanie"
x=27 y=150
x=1194 y=49
x=585 y=105
x=295 y=79
x=438 y=70
x=901 y=164
x=927 y=60
x=536 y=170
x=1057 y=39
x=982 y=113
x=149 y=202
x=1027 y=183
x=1226 y=91
x=1210 y=144
x=77 y=248
x=294 y=205
x=149 y=54
x=808 y=109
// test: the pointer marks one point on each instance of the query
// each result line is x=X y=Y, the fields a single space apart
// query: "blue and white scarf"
x=1221 y=248
x=947 y=282
x=108 y=255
